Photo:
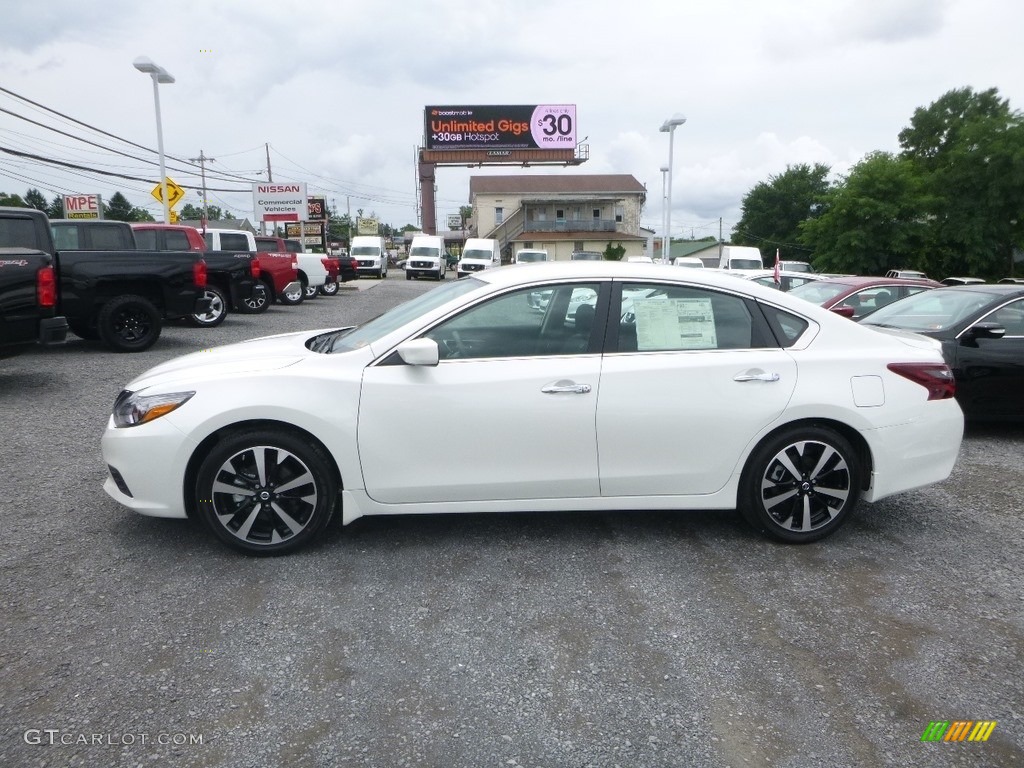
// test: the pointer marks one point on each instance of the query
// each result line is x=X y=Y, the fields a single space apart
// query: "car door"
x=990 y=372
x=689 y=378
x=507 y=413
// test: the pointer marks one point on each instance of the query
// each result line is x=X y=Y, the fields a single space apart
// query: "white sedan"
x=706 y=393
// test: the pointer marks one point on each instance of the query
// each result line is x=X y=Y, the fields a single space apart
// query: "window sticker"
x=667 y=324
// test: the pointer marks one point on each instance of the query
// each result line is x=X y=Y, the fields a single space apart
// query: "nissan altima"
x=651 y=388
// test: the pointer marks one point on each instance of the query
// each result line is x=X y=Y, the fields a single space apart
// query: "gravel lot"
x=627 y=639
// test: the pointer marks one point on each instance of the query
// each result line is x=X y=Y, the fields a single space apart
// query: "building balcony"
x=571 y=225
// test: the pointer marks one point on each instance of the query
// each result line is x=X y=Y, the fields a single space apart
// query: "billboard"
x=367 y=226
x=318 y=209
x=311 y=233
x=490 y=127
x=280 y=202
x=83 y=207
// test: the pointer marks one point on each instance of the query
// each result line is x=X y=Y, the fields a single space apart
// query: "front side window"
x=146 y=239
x=667 y=318
x=1010 y=317
x=555 y=320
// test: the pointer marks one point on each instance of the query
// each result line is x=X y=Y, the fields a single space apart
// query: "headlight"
x=132 y=409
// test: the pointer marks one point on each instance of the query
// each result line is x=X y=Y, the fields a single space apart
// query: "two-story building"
x=559 y=213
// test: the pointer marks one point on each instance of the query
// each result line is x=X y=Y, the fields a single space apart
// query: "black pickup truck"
x=231 y=277
x=28 y=293
x=120 y=297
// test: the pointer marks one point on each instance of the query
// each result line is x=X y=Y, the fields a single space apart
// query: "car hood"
x=267 y=353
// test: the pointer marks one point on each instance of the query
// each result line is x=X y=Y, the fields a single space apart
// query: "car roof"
x=864 y=281
x=995 y=289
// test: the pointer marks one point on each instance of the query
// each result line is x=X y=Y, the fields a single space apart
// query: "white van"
x=688 y=261
x=479 y=253
x=370 y=255
x=426 y=258
x=740 y=257
x=527 y=255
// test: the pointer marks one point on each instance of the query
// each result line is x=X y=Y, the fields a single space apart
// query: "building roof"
x=556 y=184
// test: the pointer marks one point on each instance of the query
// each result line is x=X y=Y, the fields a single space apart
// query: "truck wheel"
x=408 y=276
x=218 y=309
x=258 y=302
x=290 y=299
x=329 y=289
x=383 y=273
x=129 y=324
x=310 y=291
x=83 y=330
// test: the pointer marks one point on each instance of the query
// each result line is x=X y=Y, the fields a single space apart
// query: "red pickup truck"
x=339 y=269
x=278 y=272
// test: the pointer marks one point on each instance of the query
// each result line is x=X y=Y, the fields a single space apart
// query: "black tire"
x=408 y=276
x=329 y=289
x=129 y=324
x=83 y=330
x=383 y=273
x=800 y=509
x=293 y=298
x=258 y=302
x=260 y=519
x=218 y=309
x=309 y=291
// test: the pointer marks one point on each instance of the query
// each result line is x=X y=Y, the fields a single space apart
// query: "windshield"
x=745 y=264
x=474 y=253
x=819 y=292
x=929 y=310
x=586 y=256
x=382 y=325
x=366 y=250
x=794 y=266
x=531 y=256
x=424 y=250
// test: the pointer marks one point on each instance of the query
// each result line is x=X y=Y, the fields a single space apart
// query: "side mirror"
x=987 y=330
x=418 y=352
x=844 y=311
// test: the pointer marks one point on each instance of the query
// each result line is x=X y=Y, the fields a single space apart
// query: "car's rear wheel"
x=800 y=485
x=266 y=492
x=291 y=298
x=129 y=324
x=310 y=291
x=408 y=276
x=217 y=312
x=329 y=288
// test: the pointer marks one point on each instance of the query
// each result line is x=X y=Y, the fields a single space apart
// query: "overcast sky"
x=338 y=89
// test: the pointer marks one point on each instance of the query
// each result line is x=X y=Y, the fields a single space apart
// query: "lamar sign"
x=280 y=202
x=83 y=207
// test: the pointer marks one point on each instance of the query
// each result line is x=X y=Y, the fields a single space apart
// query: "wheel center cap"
x=264 y=495
x=805 y=487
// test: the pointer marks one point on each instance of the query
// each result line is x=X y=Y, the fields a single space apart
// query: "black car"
x=981 y=328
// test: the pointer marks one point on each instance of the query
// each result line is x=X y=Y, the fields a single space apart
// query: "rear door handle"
x=565 y=387
x=760 y=376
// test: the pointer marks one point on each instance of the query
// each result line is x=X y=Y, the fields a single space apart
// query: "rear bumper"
x=53 y=330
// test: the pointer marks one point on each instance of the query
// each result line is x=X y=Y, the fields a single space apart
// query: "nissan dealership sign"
x=546 y=126
x=280 y=202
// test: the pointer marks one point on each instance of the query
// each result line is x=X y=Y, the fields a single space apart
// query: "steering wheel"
x=455 y=346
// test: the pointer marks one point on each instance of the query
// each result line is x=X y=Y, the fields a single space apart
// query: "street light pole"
x=665 y=255
x=159 y=75
x=669 y=127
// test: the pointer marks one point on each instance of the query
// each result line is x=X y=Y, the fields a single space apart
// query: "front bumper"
x=150 y=461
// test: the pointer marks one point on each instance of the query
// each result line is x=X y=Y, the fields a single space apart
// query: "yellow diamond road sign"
x=175 y=194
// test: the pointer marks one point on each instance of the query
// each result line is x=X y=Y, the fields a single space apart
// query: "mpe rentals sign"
x=83 y=207
x=545 y=126
x=280 y=202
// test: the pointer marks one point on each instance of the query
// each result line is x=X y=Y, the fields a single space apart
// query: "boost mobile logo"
x=958 y=730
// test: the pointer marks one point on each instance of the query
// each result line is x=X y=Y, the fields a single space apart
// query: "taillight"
x=254 y=268
x=199 y=273
x=46 y=287
x=295 y=262
x=935 y=377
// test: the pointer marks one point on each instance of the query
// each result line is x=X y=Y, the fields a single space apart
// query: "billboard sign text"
x=280 y=202
x=546 y=126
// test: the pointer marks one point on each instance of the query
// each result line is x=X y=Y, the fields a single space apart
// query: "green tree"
x=12 y=200
x=191 y=212
x=614 y=252
x=36 y=199
x=120 y=209
x=968 y=148
x=55 y=210
x=871 y=221
x=773 y=211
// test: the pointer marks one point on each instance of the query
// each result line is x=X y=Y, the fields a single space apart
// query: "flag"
x=776 y=276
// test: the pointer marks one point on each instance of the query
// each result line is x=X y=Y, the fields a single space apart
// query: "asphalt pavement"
x=630 y=639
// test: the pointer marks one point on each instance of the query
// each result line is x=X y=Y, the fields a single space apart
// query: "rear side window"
x=65 y=238
x=786 y=326
x=233 y=242
x=109 y=237
x=146 y=239
x=177 y=241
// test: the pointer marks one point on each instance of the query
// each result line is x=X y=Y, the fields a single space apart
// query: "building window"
x=499 y=214
x=597 y=213
x=618 y=214
x=577 y=214
x=559 y=213
x=577 y=245
x=528 y=244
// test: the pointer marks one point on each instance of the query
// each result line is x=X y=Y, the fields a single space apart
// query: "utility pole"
x=203 y=160
x=270 y=178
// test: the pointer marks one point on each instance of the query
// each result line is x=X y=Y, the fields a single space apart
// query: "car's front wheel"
x=265 y=492
x=257 y=302
x=801 y=485
x=129 y=324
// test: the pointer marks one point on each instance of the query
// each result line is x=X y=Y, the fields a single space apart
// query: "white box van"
x=426 y=258
x=370 y=255
x=740 y=257
x=479 y=253
x=527 y=255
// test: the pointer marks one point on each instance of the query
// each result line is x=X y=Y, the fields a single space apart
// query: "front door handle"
x=759 y=376
x=565 y=387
